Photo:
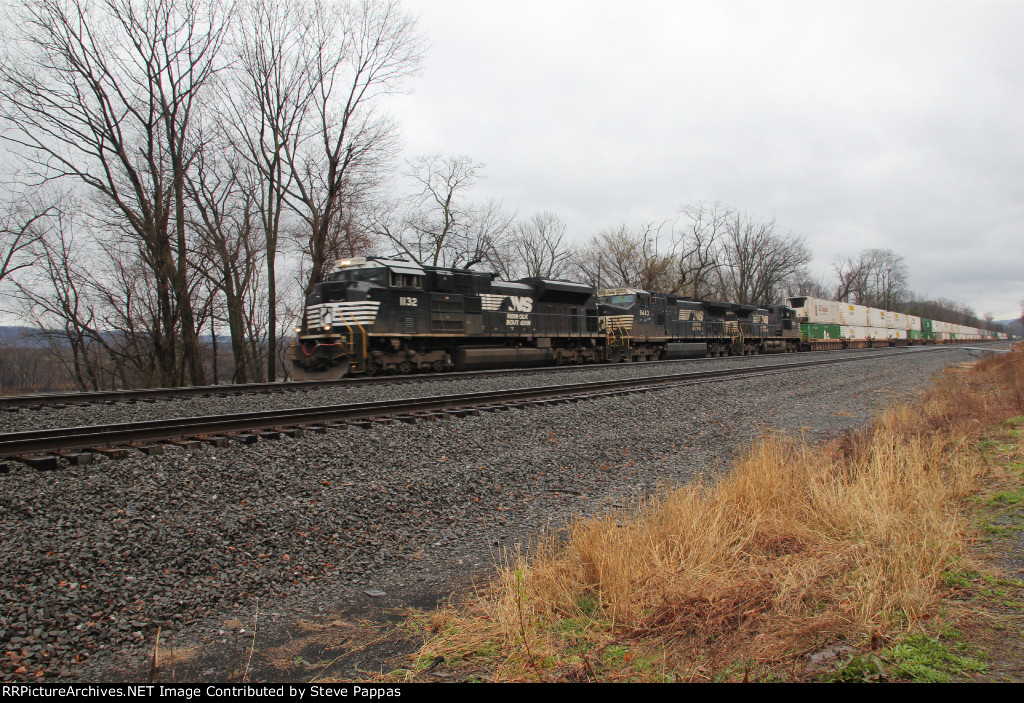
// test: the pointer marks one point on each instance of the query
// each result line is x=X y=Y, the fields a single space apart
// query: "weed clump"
x=797 y=547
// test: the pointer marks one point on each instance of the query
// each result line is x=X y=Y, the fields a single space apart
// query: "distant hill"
x=21 y=336
x=28 y=337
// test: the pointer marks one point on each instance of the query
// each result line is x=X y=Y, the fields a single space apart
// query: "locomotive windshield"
x=617 y=299
x=374 y=275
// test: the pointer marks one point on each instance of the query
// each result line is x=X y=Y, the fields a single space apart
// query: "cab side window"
x=405 y=280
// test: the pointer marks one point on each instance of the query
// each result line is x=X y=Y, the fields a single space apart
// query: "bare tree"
x=21 y=228
x=852 y=274
x=230 y=249
x=887 y=276
x=758 y=263
x=534 y=248
x=104 y=93
x=439 y=225
x=275 y=75
x=55 y=300
x=813 y=286
x=875 y=277
x=310 y=76
x=621 y=257
x=98 y=301
x=436 y=229
x=363 y=50
x=697 y=248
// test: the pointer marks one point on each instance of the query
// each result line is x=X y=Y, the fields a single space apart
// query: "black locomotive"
x=378 y=314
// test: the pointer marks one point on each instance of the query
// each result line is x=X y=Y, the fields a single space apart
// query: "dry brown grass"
x=796 y=547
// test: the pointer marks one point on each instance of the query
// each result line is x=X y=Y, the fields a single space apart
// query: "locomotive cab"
x=356 y=302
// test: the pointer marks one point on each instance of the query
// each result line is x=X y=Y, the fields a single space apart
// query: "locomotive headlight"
x=298 y=330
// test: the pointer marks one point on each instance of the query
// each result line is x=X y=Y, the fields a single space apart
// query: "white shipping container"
x=853 y=315
x=914 y=323
x=898 y=321
x=823 y=312
x=854 y=332
x=876 y=318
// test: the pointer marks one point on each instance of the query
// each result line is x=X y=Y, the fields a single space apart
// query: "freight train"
x=389 y=315
x=828 y=324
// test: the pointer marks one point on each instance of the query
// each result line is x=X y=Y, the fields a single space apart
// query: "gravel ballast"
x=76 y=415
x=98 y=557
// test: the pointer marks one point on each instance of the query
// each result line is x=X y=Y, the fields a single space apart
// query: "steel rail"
x=15 y=402
x=61 y=439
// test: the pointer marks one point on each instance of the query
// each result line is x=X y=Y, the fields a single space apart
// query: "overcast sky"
x=854 y=124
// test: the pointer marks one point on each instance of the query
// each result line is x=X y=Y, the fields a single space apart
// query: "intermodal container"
x=876 y=318
x=853 y=315
x=822 y=312
x=854 y=332
x=812 y=331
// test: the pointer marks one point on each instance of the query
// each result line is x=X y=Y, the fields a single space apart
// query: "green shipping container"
x=926 y=326
x=812 y=331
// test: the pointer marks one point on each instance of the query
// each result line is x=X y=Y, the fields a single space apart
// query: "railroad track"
x=41 y=448
x=13 y=403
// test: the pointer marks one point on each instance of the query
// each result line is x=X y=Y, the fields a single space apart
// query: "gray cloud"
x=854 y=124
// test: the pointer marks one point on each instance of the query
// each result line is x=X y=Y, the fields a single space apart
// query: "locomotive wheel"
x=405 y=367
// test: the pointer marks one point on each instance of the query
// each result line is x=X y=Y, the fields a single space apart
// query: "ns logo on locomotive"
x=377 y=314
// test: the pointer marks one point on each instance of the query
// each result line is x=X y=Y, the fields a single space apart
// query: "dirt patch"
x=354 y=644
